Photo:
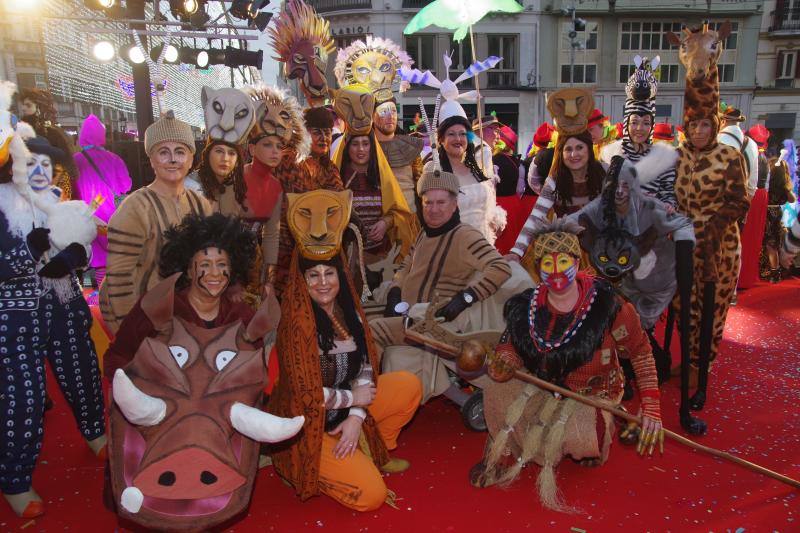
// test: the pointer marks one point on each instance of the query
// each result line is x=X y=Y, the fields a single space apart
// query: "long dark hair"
x=469 y=159
x=373 y=174
x=565 y=188
x=325 y=333
x=208 y=180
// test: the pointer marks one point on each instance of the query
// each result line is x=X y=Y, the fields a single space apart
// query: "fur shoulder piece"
x=659 y=159
x=556 y=364
x=608 y=151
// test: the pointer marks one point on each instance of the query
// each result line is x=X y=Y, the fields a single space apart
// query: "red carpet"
x=752 y=411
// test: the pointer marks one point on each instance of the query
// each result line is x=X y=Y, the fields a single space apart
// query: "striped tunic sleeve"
x=479 y=255
x=127 y=237
x=545 y=202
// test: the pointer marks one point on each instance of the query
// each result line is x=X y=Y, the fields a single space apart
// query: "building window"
x=786 y=69
x=504 y=75
x=588 y=37
x=726 y=73
x=40 y=81
x=664 y=73
x=663 y=111
x=733 y=38
x=647 y=35
x=787 y=62
x=422 y=48
x=580 y=74
x=462 y=59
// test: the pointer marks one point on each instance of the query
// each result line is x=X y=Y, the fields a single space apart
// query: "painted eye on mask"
x=223 y=358
x=623 y=260
x=180 y=354
x=603 y=259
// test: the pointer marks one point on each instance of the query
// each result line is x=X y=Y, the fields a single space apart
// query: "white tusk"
x=139 y=408
x=131 y=499
x=263 y=427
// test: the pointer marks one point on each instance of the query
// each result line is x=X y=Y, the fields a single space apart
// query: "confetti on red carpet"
x=752 y=411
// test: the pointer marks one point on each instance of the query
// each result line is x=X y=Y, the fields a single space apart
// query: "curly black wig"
x=196 y=233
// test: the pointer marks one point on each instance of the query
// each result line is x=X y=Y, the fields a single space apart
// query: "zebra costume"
x=641 y=92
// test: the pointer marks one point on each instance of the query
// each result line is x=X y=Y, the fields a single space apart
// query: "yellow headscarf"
x=405 y=225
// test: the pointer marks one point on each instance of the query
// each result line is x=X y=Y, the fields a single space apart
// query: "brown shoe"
x=395 y=466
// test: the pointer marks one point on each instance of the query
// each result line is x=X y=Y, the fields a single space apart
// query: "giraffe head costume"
x=698 y=51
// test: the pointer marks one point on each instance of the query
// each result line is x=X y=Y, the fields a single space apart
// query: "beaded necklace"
x=579 y=315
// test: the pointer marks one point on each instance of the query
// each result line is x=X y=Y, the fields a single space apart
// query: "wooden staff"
x=453 y=353
x=480 y=104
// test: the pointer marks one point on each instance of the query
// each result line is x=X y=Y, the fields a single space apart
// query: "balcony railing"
x=326 y=6
x=415 y=4
x=785 y=19
x=502 y=80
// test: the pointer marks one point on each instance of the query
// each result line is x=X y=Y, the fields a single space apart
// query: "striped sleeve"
x=663 y=188
x=547 y=197
x=635 y=345
x=481 y=256
x=127 y=236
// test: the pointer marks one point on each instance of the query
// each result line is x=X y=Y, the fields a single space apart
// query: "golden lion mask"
x=355 y=104
x=317 y=220
x=571 y=109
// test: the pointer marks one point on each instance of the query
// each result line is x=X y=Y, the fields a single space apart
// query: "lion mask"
x=317 y=220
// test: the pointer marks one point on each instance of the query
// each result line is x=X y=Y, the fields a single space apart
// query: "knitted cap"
x=168 y=128
x=437 y=179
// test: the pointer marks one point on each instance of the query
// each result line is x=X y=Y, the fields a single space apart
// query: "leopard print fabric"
x=710 y=188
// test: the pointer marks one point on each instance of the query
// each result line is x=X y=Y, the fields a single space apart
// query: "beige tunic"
x=135 y=237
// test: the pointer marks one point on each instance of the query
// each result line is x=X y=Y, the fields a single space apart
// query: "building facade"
x=776 y=101
x=510 y=89
x=540 y=55
x=617 y=31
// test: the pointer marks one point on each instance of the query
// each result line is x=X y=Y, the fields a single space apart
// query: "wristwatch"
x=468 y=297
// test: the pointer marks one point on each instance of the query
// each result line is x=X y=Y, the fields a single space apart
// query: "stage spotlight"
x=193 y=56
x=103 y=51
x=190 y=6
x=261 y=21
x=199 y=19
x=170 y=56
x=132 y=54
x=247 y=9
x=99 y=5
x=235 y=57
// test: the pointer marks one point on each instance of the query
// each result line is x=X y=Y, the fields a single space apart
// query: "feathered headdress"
x=298 y=21
x=448 y=88
x=383 y=87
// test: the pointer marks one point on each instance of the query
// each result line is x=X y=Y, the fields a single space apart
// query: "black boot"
x=698 y=401
x=692 y=425
x=630 y=375
x=663 y=358
x=683 y=272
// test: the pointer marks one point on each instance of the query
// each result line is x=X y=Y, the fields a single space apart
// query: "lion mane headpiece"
x=302 y=41
x=279 y=113
x=374 y=63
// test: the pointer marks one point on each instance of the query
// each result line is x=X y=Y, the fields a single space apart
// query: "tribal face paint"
x=558 y=270
x=211 y=271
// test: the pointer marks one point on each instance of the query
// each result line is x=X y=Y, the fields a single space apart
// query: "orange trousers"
x=355 y=481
